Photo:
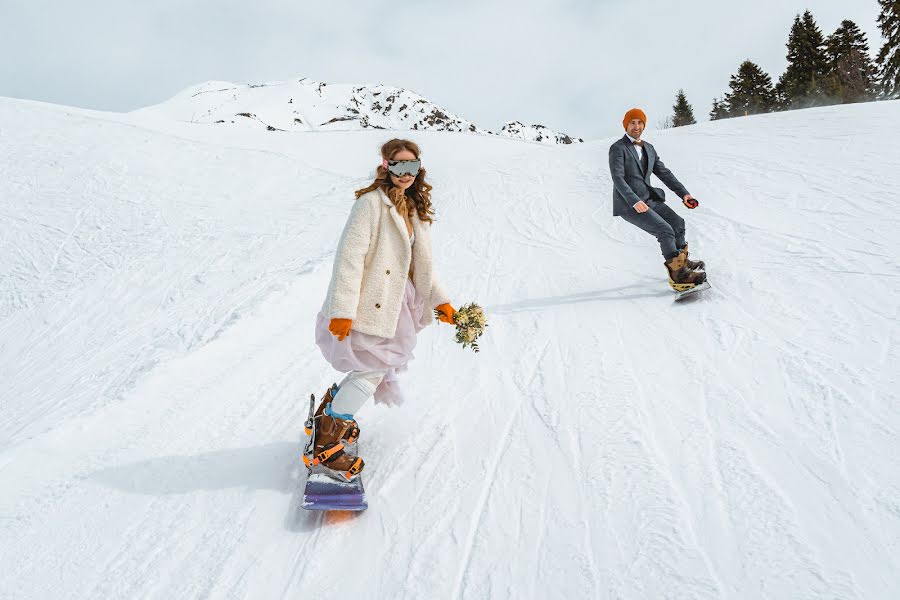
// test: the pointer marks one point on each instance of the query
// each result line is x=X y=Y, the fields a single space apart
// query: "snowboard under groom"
x=631 y=162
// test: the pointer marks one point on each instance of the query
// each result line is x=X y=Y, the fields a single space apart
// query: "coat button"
x=388 y=271
x=377 y=306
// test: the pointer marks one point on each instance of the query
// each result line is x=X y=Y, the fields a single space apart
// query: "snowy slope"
x=306 y=105
x=158 y=288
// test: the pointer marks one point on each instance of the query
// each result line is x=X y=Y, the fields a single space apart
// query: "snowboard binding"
x=682 y=287
x=682 y=278
x=331 y=449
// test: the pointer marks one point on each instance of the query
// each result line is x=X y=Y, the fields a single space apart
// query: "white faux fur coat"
x=372 y=265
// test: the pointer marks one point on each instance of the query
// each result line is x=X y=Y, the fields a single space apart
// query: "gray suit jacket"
x=630 y=183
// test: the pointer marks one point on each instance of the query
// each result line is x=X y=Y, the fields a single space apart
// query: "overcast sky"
x=573 y=65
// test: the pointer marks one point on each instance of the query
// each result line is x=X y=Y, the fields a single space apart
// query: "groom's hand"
x=641 y=206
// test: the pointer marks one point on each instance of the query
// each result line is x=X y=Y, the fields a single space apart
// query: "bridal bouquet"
x=470 y=325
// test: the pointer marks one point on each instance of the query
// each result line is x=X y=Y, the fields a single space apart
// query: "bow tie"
x=638 y=143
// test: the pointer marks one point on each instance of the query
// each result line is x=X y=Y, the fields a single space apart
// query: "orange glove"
x=340 y=328
x=445 y=313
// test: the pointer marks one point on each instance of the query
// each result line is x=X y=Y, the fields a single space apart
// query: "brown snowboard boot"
x=693 y=265
x=332 y=448
x=681 y=278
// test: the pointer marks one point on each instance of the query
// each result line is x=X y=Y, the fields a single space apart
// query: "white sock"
x=354 y=391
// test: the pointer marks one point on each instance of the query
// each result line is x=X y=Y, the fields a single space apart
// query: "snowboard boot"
x=332 y=444
x=693 y=265
x=681 y=278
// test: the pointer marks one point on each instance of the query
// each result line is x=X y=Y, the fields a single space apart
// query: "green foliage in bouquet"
x=470 y=325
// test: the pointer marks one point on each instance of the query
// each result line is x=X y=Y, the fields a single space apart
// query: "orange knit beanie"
x=634 y=113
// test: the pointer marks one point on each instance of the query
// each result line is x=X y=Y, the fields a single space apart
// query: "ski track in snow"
x=159 y=284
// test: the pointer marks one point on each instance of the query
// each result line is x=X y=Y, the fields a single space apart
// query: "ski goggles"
x=399 y=168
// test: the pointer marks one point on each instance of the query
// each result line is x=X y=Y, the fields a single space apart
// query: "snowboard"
x=694 y=290
x=325 y=493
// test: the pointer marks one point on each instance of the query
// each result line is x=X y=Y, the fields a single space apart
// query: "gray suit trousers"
x=661 y=222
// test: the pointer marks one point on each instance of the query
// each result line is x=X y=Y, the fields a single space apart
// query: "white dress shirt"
x=640 y=150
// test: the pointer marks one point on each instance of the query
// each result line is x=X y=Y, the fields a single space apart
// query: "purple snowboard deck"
x=324 y=493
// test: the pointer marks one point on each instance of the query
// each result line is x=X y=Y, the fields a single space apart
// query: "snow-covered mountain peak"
x=536 y=133
x=308 y=105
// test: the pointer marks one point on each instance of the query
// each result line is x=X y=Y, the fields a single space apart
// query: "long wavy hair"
x=417 y=198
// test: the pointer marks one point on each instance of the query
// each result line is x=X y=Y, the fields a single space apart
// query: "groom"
x=631 y=162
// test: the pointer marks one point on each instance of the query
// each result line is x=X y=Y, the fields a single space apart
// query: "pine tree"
x=804 y=83
x=852 y=73
x=684 y=112
x=719 y=110
x=889 y=56
x=751 y=91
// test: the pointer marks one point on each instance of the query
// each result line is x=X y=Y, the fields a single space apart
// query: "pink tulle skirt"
x=363 y=352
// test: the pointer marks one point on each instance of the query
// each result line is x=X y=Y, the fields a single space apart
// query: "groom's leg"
x=656 y=226
x=673 y=219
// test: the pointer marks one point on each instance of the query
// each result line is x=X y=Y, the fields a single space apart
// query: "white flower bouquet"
x=470 y=323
